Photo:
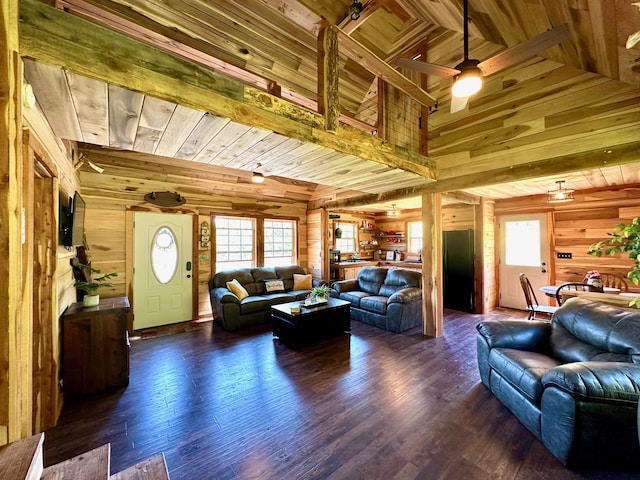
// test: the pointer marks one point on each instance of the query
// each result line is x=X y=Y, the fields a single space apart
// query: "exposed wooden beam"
x=145 y=35
x=614 y=155
x=51 y=36
x=328 y=99
x=365 y=57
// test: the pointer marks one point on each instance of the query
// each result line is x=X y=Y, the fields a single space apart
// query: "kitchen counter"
x=346 y=270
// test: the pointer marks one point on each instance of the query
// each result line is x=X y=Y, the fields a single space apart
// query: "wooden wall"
x=580 y=223
x=128 y=177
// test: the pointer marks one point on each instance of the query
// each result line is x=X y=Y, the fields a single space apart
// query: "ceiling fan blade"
x=523 y=51
x=458 y=103
x=428 y=68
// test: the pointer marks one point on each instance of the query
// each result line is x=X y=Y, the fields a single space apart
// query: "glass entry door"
x=523 y=249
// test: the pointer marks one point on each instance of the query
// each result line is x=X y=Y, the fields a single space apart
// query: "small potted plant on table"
x=319 y=294
x=92 y=298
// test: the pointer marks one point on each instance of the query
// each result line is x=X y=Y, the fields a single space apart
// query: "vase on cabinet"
x=91 y=300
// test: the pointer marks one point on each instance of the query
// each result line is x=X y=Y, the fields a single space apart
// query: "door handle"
x=188 y=266
x=544 y=270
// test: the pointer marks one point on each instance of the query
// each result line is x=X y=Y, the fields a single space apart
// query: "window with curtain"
x=235 y=242
x=414 y=237
x=279 y=242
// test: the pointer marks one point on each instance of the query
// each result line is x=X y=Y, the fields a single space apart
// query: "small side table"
x=95 y=346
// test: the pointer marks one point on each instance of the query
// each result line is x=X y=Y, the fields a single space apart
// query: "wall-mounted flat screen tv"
x=72 y=221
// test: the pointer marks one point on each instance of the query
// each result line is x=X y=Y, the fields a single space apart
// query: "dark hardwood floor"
x=370 y=405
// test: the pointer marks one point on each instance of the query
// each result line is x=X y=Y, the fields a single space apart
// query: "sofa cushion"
x=586 y=330
x=354 y=297
x=302 y=282
x=220 y=279
x=280 y=297
x=286 y=274
x=237 y=289
x=274 y=286
x=259 y=275
x=254 y=304
x=370 y=279
x=397 y=279
x=523 y=370
x=374 y=303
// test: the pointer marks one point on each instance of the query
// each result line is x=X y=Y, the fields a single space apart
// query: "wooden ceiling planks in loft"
x=566 y=102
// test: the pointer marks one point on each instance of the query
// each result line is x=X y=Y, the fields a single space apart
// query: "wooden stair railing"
x=23 y=460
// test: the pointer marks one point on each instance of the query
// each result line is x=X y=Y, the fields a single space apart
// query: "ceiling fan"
x=469 y=73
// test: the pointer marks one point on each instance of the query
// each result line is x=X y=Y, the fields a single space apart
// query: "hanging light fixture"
x=469 y=80
x=257 y=177
x=393 y=212
x=355 y=9
x=560 y=194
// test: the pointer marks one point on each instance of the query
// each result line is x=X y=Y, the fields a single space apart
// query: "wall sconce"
x=559 y=195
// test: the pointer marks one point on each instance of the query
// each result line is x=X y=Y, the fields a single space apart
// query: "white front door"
x=163 y=269
x=523 y=249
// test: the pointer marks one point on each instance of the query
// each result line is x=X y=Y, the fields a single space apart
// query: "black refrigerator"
x=458 y=271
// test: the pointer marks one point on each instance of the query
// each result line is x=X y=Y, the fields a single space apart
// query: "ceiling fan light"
x=468 y=82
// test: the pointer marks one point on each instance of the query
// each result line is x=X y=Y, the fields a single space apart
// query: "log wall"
x=578 y=224
x=128 y=177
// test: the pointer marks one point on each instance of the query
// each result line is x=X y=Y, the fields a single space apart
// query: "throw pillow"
x=302 y=282
x=237 y=289
x=274 y=286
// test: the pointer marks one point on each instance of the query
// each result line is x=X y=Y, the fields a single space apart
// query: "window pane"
x=522 y=243
x=164 y=255
x=415 y=237
x=279 y=242
x=234 y=243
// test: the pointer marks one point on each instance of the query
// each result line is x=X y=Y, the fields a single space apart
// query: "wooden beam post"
x=432 y=308
x=12 y=368
x=328 y=99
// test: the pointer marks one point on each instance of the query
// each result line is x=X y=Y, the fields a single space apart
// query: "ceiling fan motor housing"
x=469 y=80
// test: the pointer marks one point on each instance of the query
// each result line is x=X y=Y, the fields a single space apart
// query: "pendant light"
x=560 y=194
x=257 y=177
x=393 y=212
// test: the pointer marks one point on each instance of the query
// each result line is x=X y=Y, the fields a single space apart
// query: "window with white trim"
x=279 y=242
x=348 y=239
x=414 y=237
x=235 y=241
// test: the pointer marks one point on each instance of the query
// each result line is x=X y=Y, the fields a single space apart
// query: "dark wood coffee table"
x=313 y=323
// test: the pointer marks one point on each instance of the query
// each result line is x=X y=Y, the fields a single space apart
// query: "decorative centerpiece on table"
x=594 y=278
x=318 y=294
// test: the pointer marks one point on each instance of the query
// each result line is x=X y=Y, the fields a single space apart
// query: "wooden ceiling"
x=572 y=113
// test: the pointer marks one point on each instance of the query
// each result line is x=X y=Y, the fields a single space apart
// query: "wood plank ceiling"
x=579 y=97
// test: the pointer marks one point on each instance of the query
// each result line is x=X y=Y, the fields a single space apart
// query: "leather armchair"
x=574 y=382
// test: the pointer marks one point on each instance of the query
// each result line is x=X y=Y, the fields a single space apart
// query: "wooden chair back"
x=575 y=286
x=529 y=294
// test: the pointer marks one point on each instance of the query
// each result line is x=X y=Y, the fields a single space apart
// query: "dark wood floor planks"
x=370 y=405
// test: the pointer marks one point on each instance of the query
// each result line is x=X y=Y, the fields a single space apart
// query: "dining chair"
x=533 y=307
x=575 y=286
x=615 y=281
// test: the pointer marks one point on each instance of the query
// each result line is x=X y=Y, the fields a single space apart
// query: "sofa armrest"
x=224 y=295
x=406 y=295
x=530 y=335
x=600 y=380
x=318 y=282
x=345 y=285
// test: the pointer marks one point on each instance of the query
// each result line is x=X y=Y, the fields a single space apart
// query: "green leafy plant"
x=91 y=288
x=625 y=239
x=321 y=291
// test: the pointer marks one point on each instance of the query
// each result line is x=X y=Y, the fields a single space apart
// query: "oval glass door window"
x=164 y=255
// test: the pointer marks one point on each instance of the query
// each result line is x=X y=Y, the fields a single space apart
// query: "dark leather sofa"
x=387 y=298
x=233 y=314
x=573 y=382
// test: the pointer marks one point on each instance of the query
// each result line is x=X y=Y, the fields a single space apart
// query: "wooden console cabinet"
x=95 y=346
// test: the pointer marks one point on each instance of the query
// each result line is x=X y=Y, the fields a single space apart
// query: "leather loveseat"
x=387 y=298
x=232 y=313
x=573 y=382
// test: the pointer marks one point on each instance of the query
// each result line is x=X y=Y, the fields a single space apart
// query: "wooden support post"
x=328 y=99
x=432 y=308
x=12 y=339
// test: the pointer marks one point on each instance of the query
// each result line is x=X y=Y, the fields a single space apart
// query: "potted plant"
x=319 y=294
x=92 y=298
x=625 y=238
